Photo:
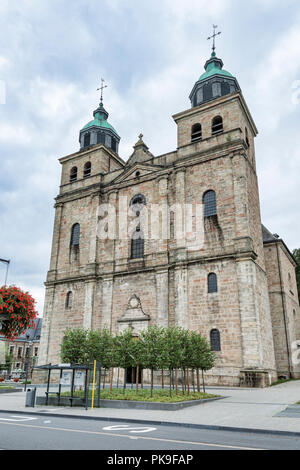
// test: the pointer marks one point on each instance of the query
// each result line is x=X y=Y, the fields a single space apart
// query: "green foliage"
x=156 y=348
x=100 y=347
x=296 y=254
x=74 y=347
x=153 y=349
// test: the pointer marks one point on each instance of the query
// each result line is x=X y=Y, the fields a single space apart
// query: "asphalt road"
x=27 y=432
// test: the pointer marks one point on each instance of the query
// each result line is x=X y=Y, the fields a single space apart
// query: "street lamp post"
x=27 y=364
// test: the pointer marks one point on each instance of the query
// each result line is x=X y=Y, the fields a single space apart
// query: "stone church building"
x=237 y=288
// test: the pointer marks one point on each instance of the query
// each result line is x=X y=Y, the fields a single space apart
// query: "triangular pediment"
x=136 y=171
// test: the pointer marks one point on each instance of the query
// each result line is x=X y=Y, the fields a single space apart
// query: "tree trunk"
x=198 y=380
x=151 y=393
x=171 y=383
x=118 y=377
x=183 y=380
x=104 y=378
x=111 y=379
x=193 y=379
x=124 y=382
x=137 y=379
x=188 y=380
x=162 y=379
x=176 y=381
x=203 y=381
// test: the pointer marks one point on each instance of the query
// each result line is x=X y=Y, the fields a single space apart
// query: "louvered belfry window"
x=75 y=237
x=196 y=132
x=212 y=283
x=215 y=340
x=73 y=174
x=87 y=170
x=217 y=125
x=210 y=204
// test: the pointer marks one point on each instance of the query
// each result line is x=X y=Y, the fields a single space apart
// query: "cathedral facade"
x=223 y=275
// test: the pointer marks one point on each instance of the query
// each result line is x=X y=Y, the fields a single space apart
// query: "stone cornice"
x=144 y=269
x=215 y=103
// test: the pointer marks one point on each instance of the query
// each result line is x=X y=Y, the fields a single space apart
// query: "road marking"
x=174 y=441
x=126 y=427
x=19 y=418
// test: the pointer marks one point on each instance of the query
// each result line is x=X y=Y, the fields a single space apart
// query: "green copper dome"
x=213 y=83
x=99 y=131
x=100 y=120
x=214 y=67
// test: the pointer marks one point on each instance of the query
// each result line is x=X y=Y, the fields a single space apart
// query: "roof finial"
x=102 y=88
x=214 y=39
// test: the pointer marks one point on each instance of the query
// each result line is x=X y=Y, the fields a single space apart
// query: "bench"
x=75 y=399
x=52 y=393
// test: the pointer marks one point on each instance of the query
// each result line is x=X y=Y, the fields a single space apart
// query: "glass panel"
x=75 y=235
x=212 y=283
x=210 y=204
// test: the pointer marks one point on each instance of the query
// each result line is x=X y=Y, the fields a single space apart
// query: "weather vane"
x=102 y=88
x=214 y=37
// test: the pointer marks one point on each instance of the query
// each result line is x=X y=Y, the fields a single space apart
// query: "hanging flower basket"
x=17 y=312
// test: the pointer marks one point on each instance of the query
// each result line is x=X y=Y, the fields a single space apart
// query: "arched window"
x=196 y=132
x=137 y=244
x=215 y=340
x=69 y=298
x=73 y=174
x=87 y=139
x=75 y=235
x=210 y=204
x=87 y=170
x=212 y=283
x=137 y=204
x=217 y=125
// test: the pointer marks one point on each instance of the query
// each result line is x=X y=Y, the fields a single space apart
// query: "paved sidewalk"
x=242 y=408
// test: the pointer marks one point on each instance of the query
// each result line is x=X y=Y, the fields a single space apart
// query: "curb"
x=131 y=404
x=11 y=390
x=161 y=423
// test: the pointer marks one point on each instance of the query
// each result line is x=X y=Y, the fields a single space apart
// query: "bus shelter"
x=73 y=375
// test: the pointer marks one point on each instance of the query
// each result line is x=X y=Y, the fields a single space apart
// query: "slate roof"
x=31 y=334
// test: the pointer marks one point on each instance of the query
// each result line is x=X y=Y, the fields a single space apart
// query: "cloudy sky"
x=52 y=56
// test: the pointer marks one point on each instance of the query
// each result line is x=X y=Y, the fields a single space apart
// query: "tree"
x=174 y=352
x=296 y=254
x=100 y=347
x=124 y=351
x=74 y=348
x=201 y=356
x=153 y=351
